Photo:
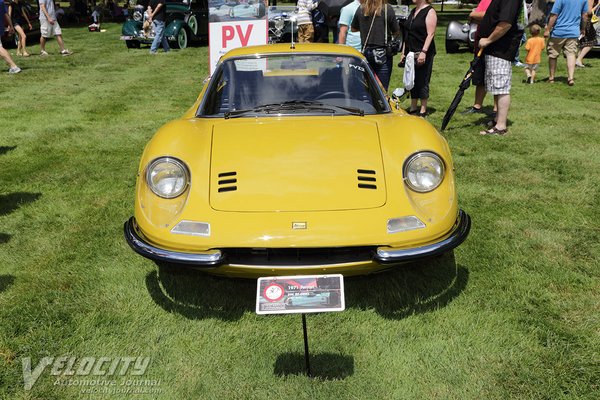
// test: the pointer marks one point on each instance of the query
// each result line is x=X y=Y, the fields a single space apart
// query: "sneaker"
x=472 y=110
x=529 y=80
x=43 y=53
x=519 y=64
x=65 y=52
x=14 y=70
x=579 y=65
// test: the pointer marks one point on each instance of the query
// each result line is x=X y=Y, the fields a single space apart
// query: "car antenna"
x=292 y=19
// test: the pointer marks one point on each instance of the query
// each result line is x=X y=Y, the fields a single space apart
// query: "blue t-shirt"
x=2 y=12
x=569 y=18
x=346 y=16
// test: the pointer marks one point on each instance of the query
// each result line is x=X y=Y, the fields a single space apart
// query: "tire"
x=193 y=25
x=181 y=41
x=451 y=46
x=132 y=44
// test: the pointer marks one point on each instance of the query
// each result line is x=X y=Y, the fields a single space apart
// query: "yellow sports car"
x=293 y=160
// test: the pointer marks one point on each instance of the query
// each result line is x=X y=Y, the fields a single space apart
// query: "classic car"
x=187 y=21
x=293 y=160
x=236 y=10
x=460 y=34
x=11 y=40
x=280 y=25
x=596 y=47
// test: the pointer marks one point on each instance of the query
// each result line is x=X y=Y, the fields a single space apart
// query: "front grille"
x=300 y=256
x=227 y=181
x=366 y=179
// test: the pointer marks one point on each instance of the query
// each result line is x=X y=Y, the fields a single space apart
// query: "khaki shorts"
x=555 y=45
x=48 y=30
x=532 y=67
x=306 y=33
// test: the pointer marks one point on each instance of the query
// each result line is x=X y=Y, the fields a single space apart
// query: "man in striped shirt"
x=306 y=30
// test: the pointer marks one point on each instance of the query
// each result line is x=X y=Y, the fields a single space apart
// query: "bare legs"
x=503 y=101
x=581 y=56
x=21 y=47
x=4 y=54
x=59 y=40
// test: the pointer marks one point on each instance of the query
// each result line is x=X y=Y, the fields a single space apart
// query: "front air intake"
x=227 y=181
x=366 y=179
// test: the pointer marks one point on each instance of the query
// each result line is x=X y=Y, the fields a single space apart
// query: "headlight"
x=279 y=24
x=167 y=177
x=424 y=171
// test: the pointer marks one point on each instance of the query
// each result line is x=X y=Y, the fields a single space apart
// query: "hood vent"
x=366 y=179
x=227 y=181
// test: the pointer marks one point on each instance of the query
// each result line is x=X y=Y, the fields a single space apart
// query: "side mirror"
x=400 y=94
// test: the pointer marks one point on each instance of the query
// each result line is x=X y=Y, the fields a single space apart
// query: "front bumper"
x=378 y=256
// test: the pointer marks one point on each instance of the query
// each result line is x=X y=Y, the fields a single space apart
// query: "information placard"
x=300 y=294
x=234 y=25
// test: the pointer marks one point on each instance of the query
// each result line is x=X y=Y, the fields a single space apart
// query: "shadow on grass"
x=6 y=149
x=10 y=202
x=394 y=294
x=4 y=238
x=6 y=281
x=325 y=366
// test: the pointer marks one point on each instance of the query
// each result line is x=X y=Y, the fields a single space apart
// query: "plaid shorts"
x=498 y=75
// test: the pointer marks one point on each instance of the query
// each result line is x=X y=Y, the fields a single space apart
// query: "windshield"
x=293 y=84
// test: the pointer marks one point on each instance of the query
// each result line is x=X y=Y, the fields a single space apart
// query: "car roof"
x=317 y=48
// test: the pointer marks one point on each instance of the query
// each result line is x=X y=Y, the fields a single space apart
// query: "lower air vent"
x=227 y=181
x=298 y=256
x=366 y=179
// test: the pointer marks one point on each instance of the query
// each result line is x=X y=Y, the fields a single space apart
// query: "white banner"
x=239 y=26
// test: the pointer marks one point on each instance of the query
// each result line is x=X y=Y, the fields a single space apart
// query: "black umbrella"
x=331 y=8
x=464 y=85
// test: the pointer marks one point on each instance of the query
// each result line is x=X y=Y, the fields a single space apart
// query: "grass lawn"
x=513 y=313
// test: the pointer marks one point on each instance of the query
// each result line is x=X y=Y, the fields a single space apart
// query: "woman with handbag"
x=420 y=30
x=377 y=24
x=588 y=40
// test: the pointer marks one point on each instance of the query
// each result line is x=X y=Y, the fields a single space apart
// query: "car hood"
x=296 y=164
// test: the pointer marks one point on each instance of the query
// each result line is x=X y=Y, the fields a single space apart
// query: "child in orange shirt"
x=534 y=46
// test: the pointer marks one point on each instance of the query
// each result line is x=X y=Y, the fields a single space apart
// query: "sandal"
x=494 y=131
x=413 y=112
x=571 y=82
x=550 y=80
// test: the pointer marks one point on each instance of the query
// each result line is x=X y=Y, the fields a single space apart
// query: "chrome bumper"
x=211 y=258
x=388 y=255
x=381 y=255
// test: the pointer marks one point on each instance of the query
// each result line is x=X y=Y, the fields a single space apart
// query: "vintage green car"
x=187 y=21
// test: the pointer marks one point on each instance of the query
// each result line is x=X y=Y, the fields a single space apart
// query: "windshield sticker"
x=358 y=67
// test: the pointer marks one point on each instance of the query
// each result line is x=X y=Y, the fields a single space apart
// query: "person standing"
x=321 y=34
x=589 y=37
x=420 y=27
x=478 y=78
x=19 y=19
x=306 y=31
x=49 y=27
x=500 y=38
x=534 y=46
x=5 y=19
x=563 y=31
x=157 y=14
x=376 y=22
x=346 y=36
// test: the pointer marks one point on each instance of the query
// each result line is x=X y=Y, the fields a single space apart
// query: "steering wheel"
x=333 y=93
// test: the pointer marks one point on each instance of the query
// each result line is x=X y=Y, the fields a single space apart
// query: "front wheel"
x=451 y=46
x=193 y=25
x=181 y=41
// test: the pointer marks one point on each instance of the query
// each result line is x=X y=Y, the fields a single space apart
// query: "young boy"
x=534 y=46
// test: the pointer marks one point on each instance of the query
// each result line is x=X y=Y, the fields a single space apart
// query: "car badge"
x=298 y=225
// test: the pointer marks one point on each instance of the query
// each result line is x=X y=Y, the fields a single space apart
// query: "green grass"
x=513 y=313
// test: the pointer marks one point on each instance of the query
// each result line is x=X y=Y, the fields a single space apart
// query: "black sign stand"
x=306 y=355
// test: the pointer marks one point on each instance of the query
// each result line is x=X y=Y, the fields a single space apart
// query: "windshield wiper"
x=293 y=105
